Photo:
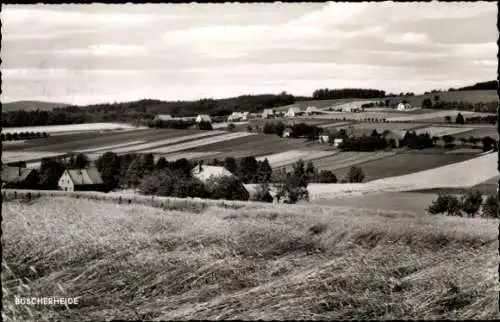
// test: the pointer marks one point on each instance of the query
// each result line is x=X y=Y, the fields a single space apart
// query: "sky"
x=87 y=54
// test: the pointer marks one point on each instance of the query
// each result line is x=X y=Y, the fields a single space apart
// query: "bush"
x=227 y=187
x=231 y=127
x=460 y=119
x=472 y=202
x=355 y=175
x=326 y=176
x=168 y=183
x=490 y=207
x=445 y=204
x=203 y=125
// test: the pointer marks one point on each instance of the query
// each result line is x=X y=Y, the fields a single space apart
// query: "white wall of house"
x=65 y=183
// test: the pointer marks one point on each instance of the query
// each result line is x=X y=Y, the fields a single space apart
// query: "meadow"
x=69 y=128
x=271 y=262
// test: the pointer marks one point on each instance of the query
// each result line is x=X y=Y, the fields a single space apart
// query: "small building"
x=337 y=142
x=19 y=178
x=294 y=112
x=287 y=132
x=324 y=139
x=312 y=110
x=268 y=113
x=81 y=180
x=163 y=117
x=204 y=172
x=403 y=106
x=203 y=118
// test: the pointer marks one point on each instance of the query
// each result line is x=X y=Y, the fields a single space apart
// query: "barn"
x=163 y=117
x=403 y=106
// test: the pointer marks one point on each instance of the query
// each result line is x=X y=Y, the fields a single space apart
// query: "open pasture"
x=259 y=262
x=188 y=155
x=440 y=131
x=346 y=159
x=435 y=116
x=69 y=128
x=471 y=96
x=480 y=132
x=16 y=156
x=290 y=157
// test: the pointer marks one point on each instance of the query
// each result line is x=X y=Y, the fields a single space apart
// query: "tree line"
x=179 y=124
x=326 y=93
x=467 y=205
x=489 y=107
x=23 y=136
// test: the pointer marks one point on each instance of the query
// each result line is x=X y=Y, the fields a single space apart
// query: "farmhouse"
x=403 y=106
x=81 y=180
x=293 y=112
x=19 y=178
x=268 y=113
x=203 y=118
x=163 y=117
x=204 y=172
x=337 y=142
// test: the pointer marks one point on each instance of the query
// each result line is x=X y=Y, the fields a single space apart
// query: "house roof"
x=15 y=174
x=85 y=176
x=294 y=109
x=208 y=171
x=203 y=117
x=312 y=109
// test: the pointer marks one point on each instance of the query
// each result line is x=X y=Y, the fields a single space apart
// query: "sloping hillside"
x=31 y=106
x=471 y=96
x=258 y=262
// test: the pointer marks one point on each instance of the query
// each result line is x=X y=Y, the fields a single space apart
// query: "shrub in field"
x=230 y=164
x=326 y=176
x=203 y=125
x=249 y=128
x=488 y=143
x=490 y=207
x=471 y=203
x=445 y=204
x=227 y=187
x=262 y=194
x=427 y=103
x=231 y=127
x=264 y=171
x=448 y=141
x=460 y=119
x=355 y=175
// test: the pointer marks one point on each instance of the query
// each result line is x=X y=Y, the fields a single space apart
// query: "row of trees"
x=489 y=107
x=297 y=130
x=23 y=136
x=179 y=124
x=467 y=205
x=326 y=93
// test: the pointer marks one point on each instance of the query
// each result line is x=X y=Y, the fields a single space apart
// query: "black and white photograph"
x=250 y=161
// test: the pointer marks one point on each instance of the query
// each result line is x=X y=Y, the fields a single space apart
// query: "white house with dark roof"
x=268 y=113
x=163 y=117
x=81 y=180
x=293 y=112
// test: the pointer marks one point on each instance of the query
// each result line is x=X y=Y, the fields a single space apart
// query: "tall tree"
x=109 y=167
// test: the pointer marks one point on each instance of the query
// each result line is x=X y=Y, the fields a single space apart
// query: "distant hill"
x=31 y=106
x=491 y=85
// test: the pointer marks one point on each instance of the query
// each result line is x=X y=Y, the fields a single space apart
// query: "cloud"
x=407 y=38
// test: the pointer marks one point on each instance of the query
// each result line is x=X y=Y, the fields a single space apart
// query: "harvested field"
x=15 y=156
x=223 y=125
x=290 y=157
x=480 y=132
x=198 y=143
x=69 y=128
x=403 y=163
x=439 y=115
x=110 y=147
x=347 y=159
x=258 y=262
x=463 y=174
x=90 y=140
x=190 y=155
x=440 y=131
x=257 y=145
x=159 y=145
x=464 y=151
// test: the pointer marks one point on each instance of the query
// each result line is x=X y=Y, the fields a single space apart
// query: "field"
x=290 y=157
x=482 y=96
x=435 y=116
x=69 y=128
x=342 y=160
x=440 y=131
x=480 y=132
x=397 y=164
x=273 y=263
x=10 y=156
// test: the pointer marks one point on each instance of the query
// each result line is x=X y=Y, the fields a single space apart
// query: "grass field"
x=11 y=156
x=435 y=116
x=440 y=131
x=483 y=96
x=401 y=163
x=273 y=263
x=480 y=132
